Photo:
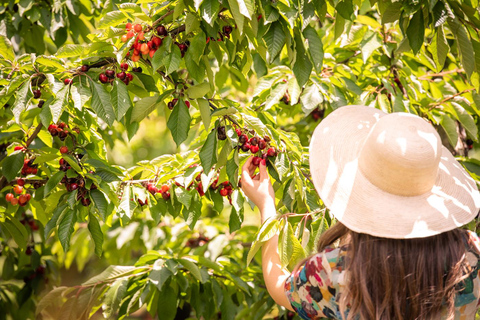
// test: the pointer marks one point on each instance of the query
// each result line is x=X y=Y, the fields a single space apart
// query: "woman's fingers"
x=263 y=170
x=246 y=172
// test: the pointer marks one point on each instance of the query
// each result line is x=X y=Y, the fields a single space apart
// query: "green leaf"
x=71 y=50
x=204 y=107
x=450 y=127
x=6 y=49
x=208 y=153
x=159 y=274
x=235 y=221
x=120 y=99
x=392 y=12
x=184 y=197
x=144 y=107
x=439 y=48
x=285 y=243
x=114 y=295
x=416 y=31
x=179 y=122
x=124 y=207
x=277 y=92
x=302 y=67
x=167 y=304
x=268 y=229
x=345 y=9
x=247 y=7
x=111 y=273
x=172 y=60
x=232 y=168
x=52 y=182
x=198 y=91
x=16 y=230
x=65 y=228
x=58 y=104
x=96 y=233
x=315 y=47
x=101 y=103
x=440 y=14
x=112 y=18
x=100 y=202
x=275 y=40
x=12 y=165
x=209 y=10
x=465 y=119
x=196 y=47
x=72 y=162
x=235 y=10
x=23 y=96
x=80 y=95
x=192 y=267
x=464 y=45
x=52 y=223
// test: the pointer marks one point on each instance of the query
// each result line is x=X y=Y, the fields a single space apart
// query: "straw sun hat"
x=388 y=175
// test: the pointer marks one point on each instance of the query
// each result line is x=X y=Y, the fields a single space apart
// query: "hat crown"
x=401 y=155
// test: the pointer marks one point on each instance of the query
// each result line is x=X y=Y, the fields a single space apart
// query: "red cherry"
x=157 y=41
x=22 y=199
x=124 y=38
x=130 y=76
x=29 y=196
x=37 y=93
x=243 y=138
x=110 y=73
x=141 y=36
x=18 y=148
x=166 y=195
x=103 y=78
x=67 y=81
x=165 y=188
x=271 y=152
x=84 y=68
x=128 y=26
x=151 y=53
x=137 y=28
x=21 y=182
x=162 y=31
x=124 y=66
x=254 y=149
x=9 y=197
x=150 y=44
x=256 y=161
x=63 y=149
x=253 y=141
x=52 y=127
x=224 y=192
x=187 y=103
x=14 y=201
x=238 y=131
x=262 y=144
x=74 y=186
x=144 y=48
x=34 y=171
x=246 y=147
x=121 y=75
x=18 y=189
x=86 y=202
x=130 y=34
x=151 y=188
x=135 y=57
x=29 y=251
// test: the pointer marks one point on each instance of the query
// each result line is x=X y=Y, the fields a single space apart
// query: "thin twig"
x=436 y=104
x=157 y=22
x=440 y=74
x=34 y=134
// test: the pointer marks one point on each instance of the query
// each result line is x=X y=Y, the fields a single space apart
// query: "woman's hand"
x=258 y=188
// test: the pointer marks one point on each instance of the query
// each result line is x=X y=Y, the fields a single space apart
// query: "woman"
x=399 y=197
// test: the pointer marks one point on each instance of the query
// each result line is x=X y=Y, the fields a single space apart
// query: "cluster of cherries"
x=253 y=144
x=37 y=93
x=164 y=190
x=226 y=31
x=60 y=130
x=142 y=45
x=29 y=167
x=109 y=75
x=78 y=183
x=171 y=104
x=22 y=199
x=469 y=144
x=30 y=221
x=197 y=242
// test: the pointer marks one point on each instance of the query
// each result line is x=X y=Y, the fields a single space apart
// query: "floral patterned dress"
x=314 y=289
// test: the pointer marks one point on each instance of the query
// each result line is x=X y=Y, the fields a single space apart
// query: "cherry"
x=165 y=188
x=14 y=201
x=40 y=270
x=124 y=66
x=62 y=125
x=21 y=182
x=221 y=134
x=254 y=149
x=137 y=28
x=187 y=103
x=227 y=30
x=110 y=73
x=84 y=68
x=74 y=186
x=144 y=48
x=267 y=138
x=18 y=148
x=124 y=38
x=141 y=36
x=37 y=93
x=67 y=81
x=9 y=197
x=254 y=141
x=103 y=78
x=22 y=199
x=128 y=26
x=238 y=131
x=29 y=251
x=63 y=149
x=130 y=34
x=200 y=190
x=183 y=47
x=135 y=57
x=40 y=103
x=243 y=138
x=262 y=144
x=245 y=147
x=151 y=188
x=271 y=152
x=18 y=189
x=126 y=81
x=121 y=75
x=256 y=161
x=28 y=196
x=130 y=76
x=166 y=195
x=138 y=69
x=224 y=192
x=162 y=31
x=157 y=41
x=86 y=201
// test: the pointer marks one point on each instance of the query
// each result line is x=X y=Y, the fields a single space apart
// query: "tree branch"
x=436 y=104
x=34 y=134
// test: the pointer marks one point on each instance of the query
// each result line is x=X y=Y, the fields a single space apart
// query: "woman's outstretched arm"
x=259 y=190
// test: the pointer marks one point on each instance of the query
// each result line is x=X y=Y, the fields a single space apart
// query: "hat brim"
x=335 y=147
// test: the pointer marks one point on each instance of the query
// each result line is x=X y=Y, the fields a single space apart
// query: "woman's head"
x=400 y=278
x=388 y=175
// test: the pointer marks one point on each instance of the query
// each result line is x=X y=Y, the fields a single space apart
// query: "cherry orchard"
x=230 y=80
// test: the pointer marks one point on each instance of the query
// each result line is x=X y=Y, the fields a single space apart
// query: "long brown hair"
x=402 y=279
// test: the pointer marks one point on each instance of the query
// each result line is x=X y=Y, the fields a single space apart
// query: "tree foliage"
x=229 y=78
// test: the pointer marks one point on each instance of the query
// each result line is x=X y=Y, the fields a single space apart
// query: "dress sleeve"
x=313 y=287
